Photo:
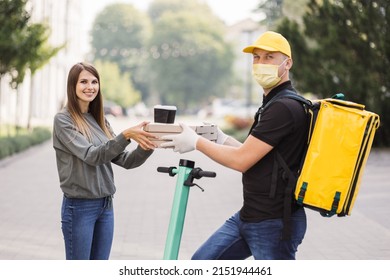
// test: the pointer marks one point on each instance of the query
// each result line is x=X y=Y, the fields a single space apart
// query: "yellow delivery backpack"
x=338 y=148
x=339 y=142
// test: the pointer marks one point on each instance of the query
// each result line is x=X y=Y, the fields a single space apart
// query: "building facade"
x=41 y=95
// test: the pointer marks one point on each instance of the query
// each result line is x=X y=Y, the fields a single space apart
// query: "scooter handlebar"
x=198 y=173
x=170 y=170
x=207 y=174
x=163 y=169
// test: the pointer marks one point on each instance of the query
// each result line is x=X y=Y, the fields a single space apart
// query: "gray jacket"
x=84 y=168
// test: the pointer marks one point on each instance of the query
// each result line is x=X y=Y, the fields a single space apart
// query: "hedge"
x=18 y=143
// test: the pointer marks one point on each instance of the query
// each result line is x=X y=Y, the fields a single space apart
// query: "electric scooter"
x=186 y=175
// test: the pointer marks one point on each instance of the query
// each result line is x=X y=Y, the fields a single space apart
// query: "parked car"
x=111 y=108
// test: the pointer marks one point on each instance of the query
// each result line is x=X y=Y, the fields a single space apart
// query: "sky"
x=230 y=11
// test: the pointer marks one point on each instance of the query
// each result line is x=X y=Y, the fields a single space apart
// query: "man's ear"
x=289 y=63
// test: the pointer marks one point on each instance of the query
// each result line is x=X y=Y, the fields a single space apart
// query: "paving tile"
x=31 y=200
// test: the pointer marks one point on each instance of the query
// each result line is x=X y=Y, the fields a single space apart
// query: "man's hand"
x=221 y=137
x=183 y=142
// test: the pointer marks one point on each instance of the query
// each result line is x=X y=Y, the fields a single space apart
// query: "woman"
x=85 y=146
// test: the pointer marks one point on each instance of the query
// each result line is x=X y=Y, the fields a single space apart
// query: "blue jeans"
x=238 y=240
x=88 y=228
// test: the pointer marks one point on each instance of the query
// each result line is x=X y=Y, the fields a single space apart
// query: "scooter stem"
x=178 y=211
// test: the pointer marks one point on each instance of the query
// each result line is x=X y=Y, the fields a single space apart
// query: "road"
x=31 y=199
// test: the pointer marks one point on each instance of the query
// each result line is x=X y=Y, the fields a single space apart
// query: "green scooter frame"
x=186 y=174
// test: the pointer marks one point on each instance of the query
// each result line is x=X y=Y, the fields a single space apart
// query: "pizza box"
x=208 y=131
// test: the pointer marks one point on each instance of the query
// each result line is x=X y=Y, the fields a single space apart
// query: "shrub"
x=21 y=142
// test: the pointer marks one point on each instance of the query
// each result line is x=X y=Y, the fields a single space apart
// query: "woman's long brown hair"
x=95 y=107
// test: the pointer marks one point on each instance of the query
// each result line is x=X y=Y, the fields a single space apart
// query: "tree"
x=23 y=45
x=272 y=10
x=189 y=60
x=294 y=9
x=275 y=10
x=159 y=7
x=116 y=87
x=345 y=47
x=119 y=34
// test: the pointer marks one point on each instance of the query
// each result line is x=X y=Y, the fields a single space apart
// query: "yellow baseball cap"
x=270 y=41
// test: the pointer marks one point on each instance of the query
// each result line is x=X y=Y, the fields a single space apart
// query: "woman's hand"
x=140 y=136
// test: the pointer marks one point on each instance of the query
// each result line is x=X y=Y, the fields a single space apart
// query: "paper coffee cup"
x=164 y=113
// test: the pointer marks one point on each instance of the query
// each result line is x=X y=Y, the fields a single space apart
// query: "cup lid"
x=166 y=107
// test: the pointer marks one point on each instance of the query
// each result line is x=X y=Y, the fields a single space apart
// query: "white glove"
x=221 y=137
x=183 y=142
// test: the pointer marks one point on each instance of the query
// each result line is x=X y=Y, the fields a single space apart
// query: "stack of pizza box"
x=208 y=131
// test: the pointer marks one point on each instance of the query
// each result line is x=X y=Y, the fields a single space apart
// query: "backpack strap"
x=280 y=162
x=288 y=196
x=306 y=103
x=286 y=94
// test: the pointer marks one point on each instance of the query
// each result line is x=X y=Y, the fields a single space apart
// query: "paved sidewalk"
x=31 y=199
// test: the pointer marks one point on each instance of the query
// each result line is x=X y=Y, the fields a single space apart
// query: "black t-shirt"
x=284 y=126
